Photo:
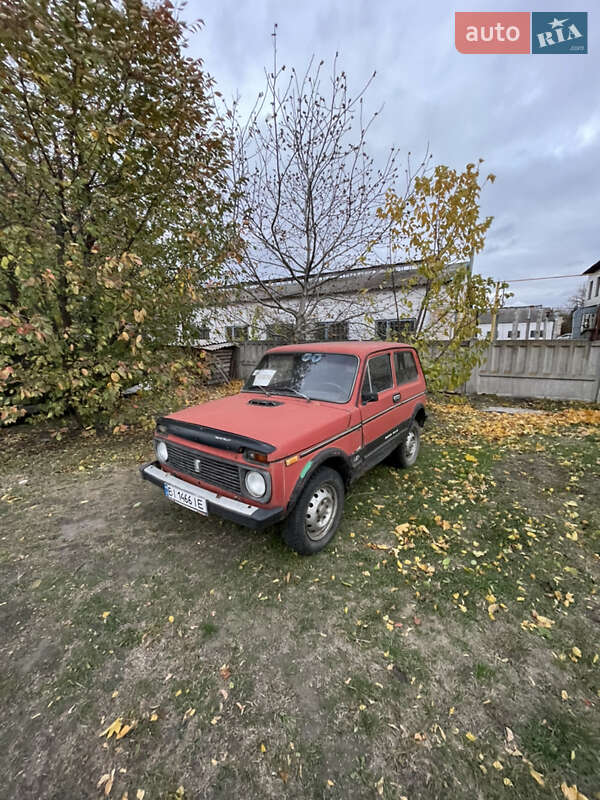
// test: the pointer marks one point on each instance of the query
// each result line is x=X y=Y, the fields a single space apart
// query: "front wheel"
x=316 y=516
x=406 y=453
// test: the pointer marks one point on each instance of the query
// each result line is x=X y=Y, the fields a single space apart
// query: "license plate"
x=186 y=499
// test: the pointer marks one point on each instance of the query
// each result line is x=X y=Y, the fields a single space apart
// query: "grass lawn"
x=445 y=645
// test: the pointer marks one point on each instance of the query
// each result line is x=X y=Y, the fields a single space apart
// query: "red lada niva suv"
x=309 y=420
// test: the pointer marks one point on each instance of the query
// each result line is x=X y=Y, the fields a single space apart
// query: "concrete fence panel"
x=552 y=369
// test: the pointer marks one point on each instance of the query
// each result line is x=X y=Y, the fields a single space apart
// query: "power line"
x=546 y=278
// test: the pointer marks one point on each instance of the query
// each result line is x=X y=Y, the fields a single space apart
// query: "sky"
x=534 y=119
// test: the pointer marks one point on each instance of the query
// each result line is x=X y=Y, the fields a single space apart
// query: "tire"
x=407 y=452
x=316 y=516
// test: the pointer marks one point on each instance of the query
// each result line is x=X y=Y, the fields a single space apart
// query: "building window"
x=587 y=321
x=280 y=332
x=393 y=329
x=237 y=333
x=510 y=335
x=331 y=331
x=590 y=289
x=597 y=286
x=204 y=332
x=406 y=369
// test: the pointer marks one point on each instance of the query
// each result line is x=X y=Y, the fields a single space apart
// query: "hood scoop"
x=265 y=402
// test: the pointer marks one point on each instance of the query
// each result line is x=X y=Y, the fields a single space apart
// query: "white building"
x=523 y=322
x=362 y=303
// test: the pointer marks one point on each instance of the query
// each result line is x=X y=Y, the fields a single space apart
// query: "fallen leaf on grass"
x=571 y=792
x=107 y=781
x=125 y=729
x=139 y=795
x=543 y=622
x=469 y=457
x=189 y=713
x=284 y=776
x=225 y=672
x=536 y=776
x=114 y=727
x=507 y=782
x=470 y=736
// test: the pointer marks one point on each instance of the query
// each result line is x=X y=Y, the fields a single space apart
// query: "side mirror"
x=369 y=397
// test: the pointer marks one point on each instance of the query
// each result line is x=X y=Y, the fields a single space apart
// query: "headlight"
x=161 y=451
x=255 y=483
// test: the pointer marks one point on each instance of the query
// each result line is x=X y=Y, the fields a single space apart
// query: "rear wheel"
x=407 y=451
x=317 y=514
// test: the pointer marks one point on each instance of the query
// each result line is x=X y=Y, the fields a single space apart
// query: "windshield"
x=315 y=376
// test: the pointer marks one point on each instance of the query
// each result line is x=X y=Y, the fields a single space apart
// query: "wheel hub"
x=410 y=445
x=321 y=511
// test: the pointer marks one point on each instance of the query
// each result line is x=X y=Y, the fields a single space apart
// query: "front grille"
x=212 y=470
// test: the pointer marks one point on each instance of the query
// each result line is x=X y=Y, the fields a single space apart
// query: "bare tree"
x=579 y=297
x=310 y=193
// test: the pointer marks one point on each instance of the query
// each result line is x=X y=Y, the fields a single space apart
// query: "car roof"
x=349 y=348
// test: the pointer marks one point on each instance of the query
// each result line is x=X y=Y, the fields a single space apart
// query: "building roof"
x=594 y=268
x=519 y=313
x=382 y=276
x=349 y=348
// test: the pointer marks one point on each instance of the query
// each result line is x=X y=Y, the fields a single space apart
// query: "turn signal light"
x=253 y=456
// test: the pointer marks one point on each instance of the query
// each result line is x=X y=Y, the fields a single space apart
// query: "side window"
x=406 y=369
x=380 y=372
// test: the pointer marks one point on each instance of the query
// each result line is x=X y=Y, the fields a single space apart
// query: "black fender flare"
x=417 y=408
x=314 y=464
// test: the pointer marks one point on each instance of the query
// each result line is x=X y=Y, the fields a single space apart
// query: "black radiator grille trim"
x=223 y=474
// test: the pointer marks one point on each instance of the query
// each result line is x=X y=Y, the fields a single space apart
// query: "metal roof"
x=594 y=268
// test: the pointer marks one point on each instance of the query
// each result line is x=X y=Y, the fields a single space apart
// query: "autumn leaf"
x=537 y=777
x=106 y=780
x=571 y=792
x=470 y=736
x=113 y=728
x=469 y=457
x=126 y=729
x=543 y=622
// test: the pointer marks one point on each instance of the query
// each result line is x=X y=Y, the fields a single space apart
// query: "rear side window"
x=378 y=377
x=406 y=369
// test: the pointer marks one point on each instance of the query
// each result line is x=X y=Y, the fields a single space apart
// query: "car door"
x=409 y=384
x=378 y=407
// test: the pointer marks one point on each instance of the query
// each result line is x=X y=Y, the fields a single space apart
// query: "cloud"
x=534 y=119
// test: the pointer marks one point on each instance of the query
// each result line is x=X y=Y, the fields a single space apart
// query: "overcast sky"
x=535 y=119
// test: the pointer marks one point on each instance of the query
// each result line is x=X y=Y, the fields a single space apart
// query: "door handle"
x=397 y=397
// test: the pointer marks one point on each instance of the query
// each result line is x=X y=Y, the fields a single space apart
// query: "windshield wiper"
x=293 y=391
x=256 y=386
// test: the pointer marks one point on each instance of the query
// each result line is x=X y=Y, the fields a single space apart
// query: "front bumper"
x=225 y=507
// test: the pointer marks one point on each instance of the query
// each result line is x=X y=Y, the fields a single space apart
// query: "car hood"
x=291 y=426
